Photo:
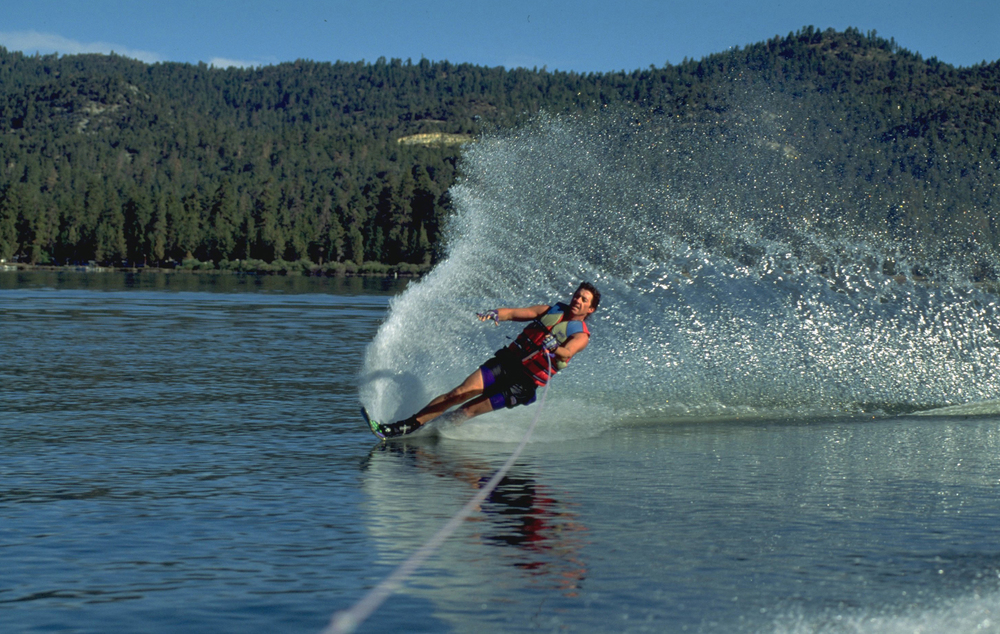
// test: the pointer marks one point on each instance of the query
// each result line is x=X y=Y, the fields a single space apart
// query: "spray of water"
x=730 y=285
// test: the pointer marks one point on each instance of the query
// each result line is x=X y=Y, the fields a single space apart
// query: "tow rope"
x=348 y=620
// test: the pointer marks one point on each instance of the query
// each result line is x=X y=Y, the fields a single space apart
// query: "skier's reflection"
x=543 y=535
x=549 y=536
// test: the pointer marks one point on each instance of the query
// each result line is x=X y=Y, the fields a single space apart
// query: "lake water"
x=184 y=454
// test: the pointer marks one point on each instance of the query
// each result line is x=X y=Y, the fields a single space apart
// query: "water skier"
x=511 y=377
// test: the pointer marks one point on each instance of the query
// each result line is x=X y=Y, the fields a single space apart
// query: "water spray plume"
x=731 y=285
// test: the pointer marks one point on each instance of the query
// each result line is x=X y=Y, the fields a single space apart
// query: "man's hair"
x=587 y=286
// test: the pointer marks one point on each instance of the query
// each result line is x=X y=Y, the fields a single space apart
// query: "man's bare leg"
x=475 y=407
x=470 y=392
x=471 y=387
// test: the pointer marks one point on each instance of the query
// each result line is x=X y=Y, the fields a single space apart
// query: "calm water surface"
x=183 y=454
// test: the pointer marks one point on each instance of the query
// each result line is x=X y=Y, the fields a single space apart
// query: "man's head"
x=585 y=299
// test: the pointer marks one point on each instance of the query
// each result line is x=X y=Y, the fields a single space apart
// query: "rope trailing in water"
x=347 y=621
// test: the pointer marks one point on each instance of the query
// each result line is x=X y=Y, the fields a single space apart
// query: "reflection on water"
x=534 y=524
x=784 y=526
x=200 y=282
x=549 y=536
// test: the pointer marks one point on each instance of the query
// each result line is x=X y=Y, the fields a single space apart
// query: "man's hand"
x=490 y=314
x=550 y=343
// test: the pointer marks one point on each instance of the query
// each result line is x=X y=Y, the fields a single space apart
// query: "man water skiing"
x=554 y=336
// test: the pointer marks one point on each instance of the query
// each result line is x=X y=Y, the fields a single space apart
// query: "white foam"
x=978 y=408
x=974 y=614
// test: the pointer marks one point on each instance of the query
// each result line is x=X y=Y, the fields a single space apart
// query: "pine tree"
x=109 y=235
x=10 y=209
x=138 y=227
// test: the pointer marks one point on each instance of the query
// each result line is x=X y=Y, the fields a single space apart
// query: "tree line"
x=110 y=160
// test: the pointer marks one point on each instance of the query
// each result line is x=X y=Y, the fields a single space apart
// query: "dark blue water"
x=185 y=455
x=161 y=447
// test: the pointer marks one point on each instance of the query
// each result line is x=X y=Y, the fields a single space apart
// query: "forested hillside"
x=111 y=160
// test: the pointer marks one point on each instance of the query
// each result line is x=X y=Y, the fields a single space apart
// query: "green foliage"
x=298 y=167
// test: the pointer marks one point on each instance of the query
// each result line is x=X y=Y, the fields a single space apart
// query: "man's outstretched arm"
x=516 y=314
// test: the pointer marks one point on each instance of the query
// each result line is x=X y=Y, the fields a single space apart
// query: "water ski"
x=372 y=424
x=392 y=430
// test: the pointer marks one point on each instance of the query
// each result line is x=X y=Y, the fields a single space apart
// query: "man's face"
x=579 y=306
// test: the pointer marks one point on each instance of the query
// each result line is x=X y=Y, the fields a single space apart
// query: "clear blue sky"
x=580 y=35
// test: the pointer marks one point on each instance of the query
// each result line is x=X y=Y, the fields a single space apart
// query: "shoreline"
x=285 y=269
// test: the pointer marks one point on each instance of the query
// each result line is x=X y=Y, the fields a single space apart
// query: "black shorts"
x=505 y=382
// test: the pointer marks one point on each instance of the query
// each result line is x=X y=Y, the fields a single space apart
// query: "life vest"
x=528 y=345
